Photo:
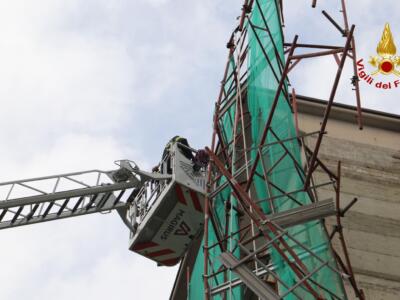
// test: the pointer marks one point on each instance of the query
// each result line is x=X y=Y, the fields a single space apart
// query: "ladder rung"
x=46 y=212
x=30 y=215
x=104 y=199
x=17 y=214
x=78 y=203
x=92 y=201
x=119 y=197
x=63 y=206
x=3 y=213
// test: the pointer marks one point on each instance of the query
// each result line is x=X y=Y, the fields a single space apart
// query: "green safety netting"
x=196 y=286
x=287 y=175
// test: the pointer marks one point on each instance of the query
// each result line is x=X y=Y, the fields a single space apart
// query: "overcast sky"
x=85 y=82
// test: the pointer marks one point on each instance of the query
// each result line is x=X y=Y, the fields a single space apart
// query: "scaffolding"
x=264 y=230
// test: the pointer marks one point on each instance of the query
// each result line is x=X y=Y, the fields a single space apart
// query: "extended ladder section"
x=56 y=197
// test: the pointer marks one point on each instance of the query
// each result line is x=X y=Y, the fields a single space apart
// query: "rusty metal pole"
x=328 y=107
x=207 y=200
x=314 y=3
x=359 y=293
x=273 y=107
x=295 y=111
x=356 y=81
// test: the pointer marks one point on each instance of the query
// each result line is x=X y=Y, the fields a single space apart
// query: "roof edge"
x=348 y=113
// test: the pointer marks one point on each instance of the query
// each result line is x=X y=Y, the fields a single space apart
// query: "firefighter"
x=200 y=160
x=183 y=146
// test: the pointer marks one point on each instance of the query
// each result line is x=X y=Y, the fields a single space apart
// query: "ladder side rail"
x=53 y=183
x=64 y=175
x=66 y=194
x=24 y=211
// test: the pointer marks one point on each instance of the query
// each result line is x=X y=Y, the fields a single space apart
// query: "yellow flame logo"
x=386 y=61
x=386 y=46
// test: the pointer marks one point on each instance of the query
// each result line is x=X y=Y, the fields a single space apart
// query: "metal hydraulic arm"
x=42 y=199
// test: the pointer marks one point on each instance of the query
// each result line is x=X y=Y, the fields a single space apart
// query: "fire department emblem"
x=386 y=61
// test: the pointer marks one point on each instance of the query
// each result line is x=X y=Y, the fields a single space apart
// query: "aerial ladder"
x=162 y=210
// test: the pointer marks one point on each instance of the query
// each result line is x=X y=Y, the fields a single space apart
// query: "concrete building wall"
x=370 y=172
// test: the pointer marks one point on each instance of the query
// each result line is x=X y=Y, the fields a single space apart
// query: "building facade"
x=370 y=172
